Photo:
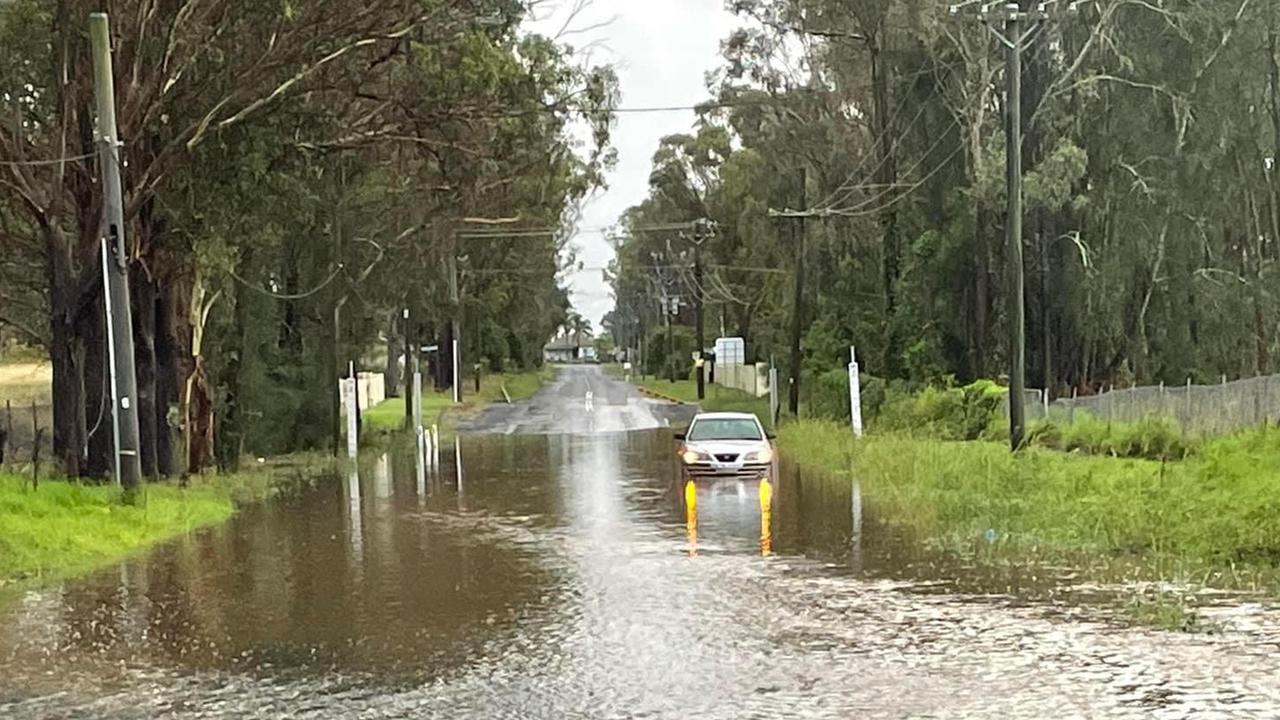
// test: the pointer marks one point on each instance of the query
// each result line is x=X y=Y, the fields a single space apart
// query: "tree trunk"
x=170 y=372
x=981 y=289
x=395 y=350
x=229 y=442
x=143 y=300
x=66 y=353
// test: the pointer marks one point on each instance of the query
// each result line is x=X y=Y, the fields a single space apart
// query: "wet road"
x=580 y=400
x=564 y=578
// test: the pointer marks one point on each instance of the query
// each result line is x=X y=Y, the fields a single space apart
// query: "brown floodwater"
x=563 y=576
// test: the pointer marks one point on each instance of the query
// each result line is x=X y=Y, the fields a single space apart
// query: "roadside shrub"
x=826 y=395
x=1151 y=438
x=950 y=413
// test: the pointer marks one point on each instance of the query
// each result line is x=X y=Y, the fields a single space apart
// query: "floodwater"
x=564 y=576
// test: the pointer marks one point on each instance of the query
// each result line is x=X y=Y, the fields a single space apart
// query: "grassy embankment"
x=437 y=407
x=1112 y=500
x=718 y=398
x=1211 y=519
x=63 y=528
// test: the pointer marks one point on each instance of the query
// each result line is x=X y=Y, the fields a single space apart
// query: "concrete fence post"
x=1186 y=420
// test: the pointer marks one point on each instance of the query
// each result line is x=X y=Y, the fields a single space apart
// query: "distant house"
x=567 y=348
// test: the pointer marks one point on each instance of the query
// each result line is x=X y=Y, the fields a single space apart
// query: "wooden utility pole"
x=1012 y=26
x=1013 y=226
x=701 y=231
x=797 y=304
x=115 y=257
x=670 y=307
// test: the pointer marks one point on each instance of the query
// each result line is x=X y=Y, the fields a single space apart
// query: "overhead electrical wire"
x=53 y=161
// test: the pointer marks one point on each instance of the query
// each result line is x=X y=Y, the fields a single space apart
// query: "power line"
x=285 y=296
x=54 y=161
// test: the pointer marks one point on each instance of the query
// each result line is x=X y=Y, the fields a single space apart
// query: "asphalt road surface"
x=556 y=572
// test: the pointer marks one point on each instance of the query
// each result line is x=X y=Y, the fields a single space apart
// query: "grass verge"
x=718 y=398
x=1213 y=519
x=64 y=528
x=437 y=407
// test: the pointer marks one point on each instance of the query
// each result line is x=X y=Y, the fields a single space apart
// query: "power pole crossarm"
x=116 y=260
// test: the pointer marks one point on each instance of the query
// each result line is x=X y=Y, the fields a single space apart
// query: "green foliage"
x=65 y=527
x=826 y=395
x=718 y=398
x=1151 y=438
x=1215 y=514
x=388 y=415
x=946 y=413
x=302 y=210
x=661 y=362
x=1146 y=239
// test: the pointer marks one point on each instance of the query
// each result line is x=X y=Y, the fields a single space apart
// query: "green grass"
x=1151 y=438
x=682 y=390
x=718 y=398
x=388 y=415
x=63 y=528
x=1214 y=516
x=519 y=385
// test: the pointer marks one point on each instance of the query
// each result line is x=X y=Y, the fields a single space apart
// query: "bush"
x=826 y=395
x=1151 y=438
x=964 y=413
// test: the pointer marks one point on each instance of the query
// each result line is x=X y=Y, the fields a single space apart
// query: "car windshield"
x=724 y=429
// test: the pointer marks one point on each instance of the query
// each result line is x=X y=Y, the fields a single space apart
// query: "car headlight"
x=691 y=456
x=765 y=455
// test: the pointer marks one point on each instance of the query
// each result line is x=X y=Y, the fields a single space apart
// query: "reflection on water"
x=766 y=518
x=554 y=579
x=691 y=516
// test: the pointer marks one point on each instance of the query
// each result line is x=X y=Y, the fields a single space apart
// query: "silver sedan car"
x=726 y=445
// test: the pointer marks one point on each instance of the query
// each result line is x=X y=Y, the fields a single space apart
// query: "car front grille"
x=727 y=457
x=748 y=471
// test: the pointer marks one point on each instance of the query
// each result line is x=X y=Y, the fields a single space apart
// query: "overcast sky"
x=662 y=50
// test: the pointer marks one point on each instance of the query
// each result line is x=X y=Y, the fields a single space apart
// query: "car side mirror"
x=770 y=436
x=680 y=436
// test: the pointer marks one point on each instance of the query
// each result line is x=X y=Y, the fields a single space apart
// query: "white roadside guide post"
x=353 y=439
x=855 y=394
x=417 y=430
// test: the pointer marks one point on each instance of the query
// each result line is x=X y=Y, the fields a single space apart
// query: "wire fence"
x=26 y=432
x=1198 y=409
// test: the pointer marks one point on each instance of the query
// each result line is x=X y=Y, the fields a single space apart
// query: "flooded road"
x=564 y=577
